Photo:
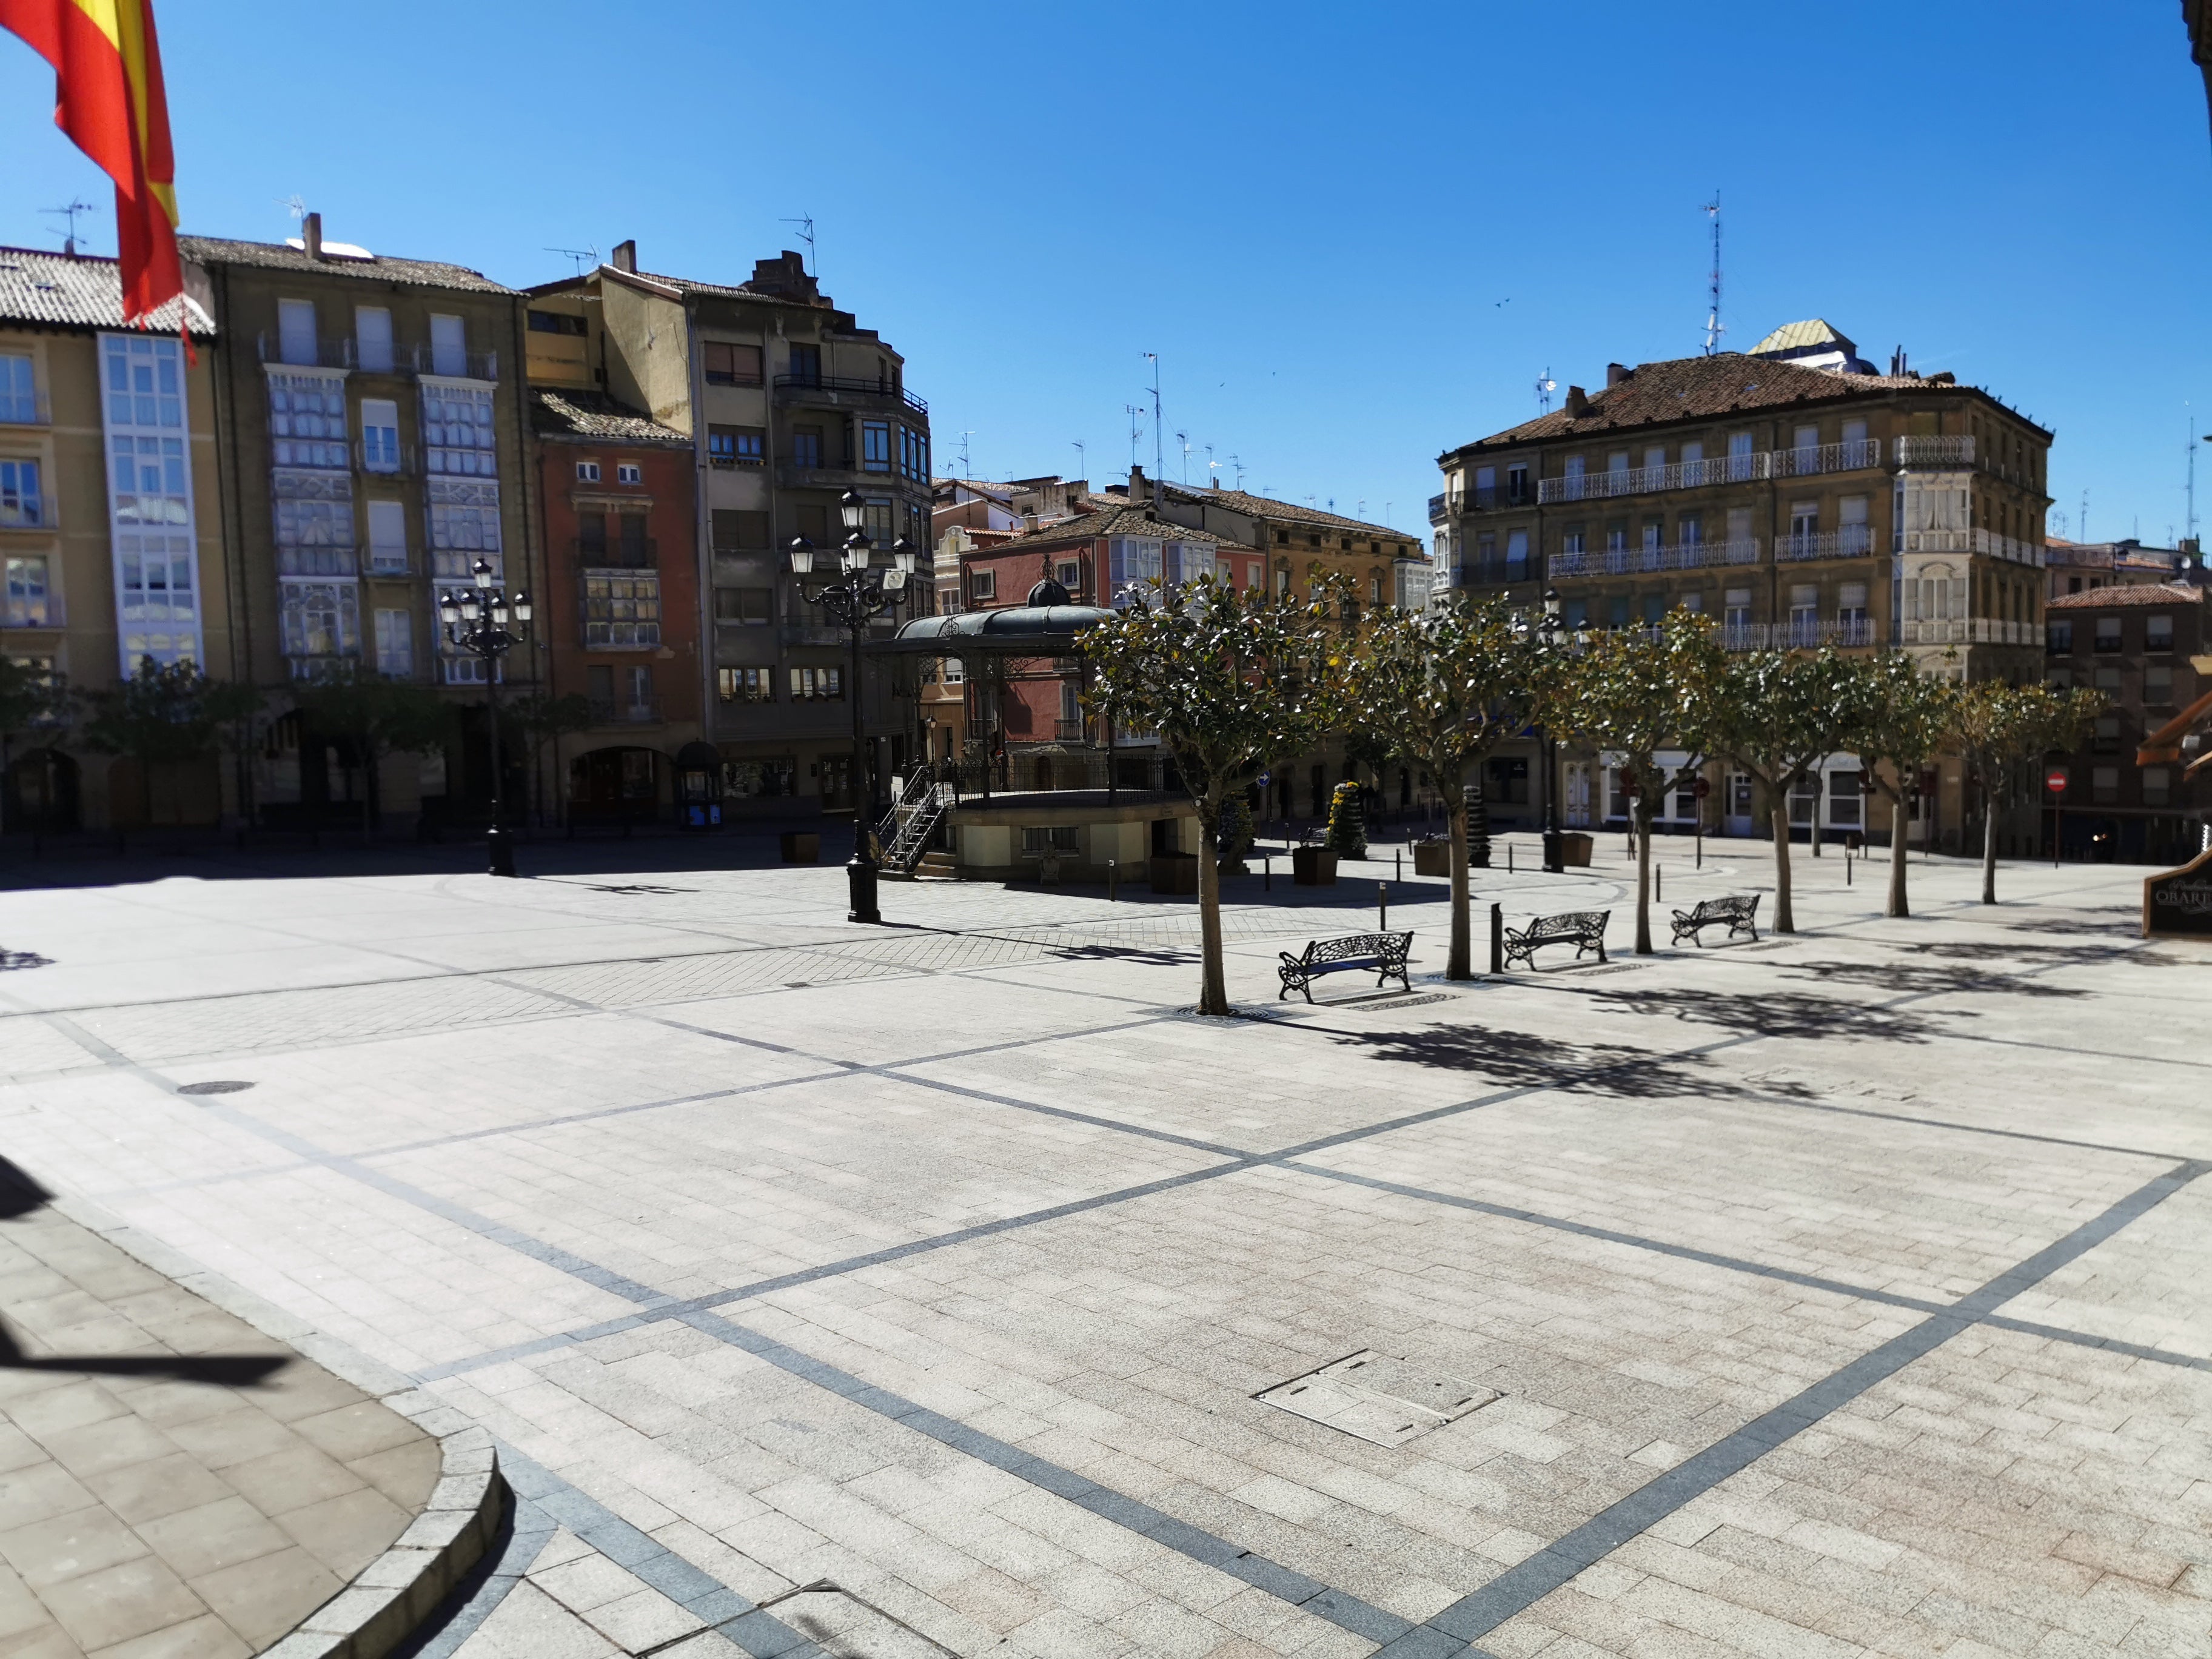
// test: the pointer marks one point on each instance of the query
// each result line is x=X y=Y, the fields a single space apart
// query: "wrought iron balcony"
x=32 y=611
x=1798 y=634
x=1712 y=470
x=603 y=555
x=1635 y=560
x=838 y=390
x=451 y=364
x=1852 y=541
x=1955 y=451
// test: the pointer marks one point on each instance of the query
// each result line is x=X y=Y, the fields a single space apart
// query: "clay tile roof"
x=576 y=414
x=1115 y=521
x=281 y=256
x=78 y=291
x=2129 y=595
x=1263 y=507
x=1694 y=388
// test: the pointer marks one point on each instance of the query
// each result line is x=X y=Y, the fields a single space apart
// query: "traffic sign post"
x=2055 y=782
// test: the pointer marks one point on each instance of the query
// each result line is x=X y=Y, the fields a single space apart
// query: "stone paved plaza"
x=912 y=1290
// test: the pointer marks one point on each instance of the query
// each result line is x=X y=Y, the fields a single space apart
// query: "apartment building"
x=785 y=404
x=1383 y=566
x=370 y=417
x=1793 y=494
x=2141 y=644
x=110 y=535
x=2079 y=567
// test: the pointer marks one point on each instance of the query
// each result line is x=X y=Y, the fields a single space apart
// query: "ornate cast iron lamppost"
x=1552 y=628
x=854 y=594
x=478 y=620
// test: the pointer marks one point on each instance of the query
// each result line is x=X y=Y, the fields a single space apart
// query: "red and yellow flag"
x=108 y=98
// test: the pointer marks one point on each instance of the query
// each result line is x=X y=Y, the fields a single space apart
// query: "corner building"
x=1793 y=494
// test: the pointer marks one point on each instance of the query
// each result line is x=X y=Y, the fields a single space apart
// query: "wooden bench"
x=1739 y=910
x=1383 y=954
x=1583 y=929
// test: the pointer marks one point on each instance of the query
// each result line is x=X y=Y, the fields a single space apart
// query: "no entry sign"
x=2055 y=782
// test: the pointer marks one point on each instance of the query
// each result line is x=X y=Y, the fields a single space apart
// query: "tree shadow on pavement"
x=1514 y=1060
x=1794 y=1014
x=1931 y=979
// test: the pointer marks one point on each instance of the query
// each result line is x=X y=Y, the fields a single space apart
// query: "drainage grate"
x=1380 y=1399
x=1405 y=1002
x=221 y=1086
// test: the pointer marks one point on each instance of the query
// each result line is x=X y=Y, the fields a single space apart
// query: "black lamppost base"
x=860 y=876
x=1555 y=859
x=501 y=845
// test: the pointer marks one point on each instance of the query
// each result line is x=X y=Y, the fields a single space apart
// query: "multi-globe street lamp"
x=1552 y=628
x=477 y=621
x=855 y=592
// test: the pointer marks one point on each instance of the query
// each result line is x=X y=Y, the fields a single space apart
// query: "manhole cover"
x=1380 y=1399
x=223 y=1086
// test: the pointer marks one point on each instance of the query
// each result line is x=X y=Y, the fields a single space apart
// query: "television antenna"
x=1714 y=327
x=2192 y=478
x=1136 y=430
x=805 y=223
x=1212 y=467
x=580 y=255
x=1082 y=462
x=1159 y=466
x=1183 y=438
x=1239 y=465
x=76 y=204
x=2085 y=513
x=966 y=466
x=1545 y=385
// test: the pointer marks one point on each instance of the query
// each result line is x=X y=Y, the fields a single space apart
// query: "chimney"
x=626 y=255
x=311 y=235
x=1029 y=522
x=1578 y=401
x=1614 y=375
x=1141 y=487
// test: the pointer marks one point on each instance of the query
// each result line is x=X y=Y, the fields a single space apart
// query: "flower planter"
x=1575 y=848
x=1432 y=858
x=1313 y=867
x=800 y=846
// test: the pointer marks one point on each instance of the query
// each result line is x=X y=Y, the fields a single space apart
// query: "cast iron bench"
x=1383 y=954
x=1583 y=929
x=1739 y=910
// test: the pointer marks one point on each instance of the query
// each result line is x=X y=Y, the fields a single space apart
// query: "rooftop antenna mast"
x=76 y=204
x=1213 y=470
x=2192 y=478
x=1183 y=438
x=1714 y=327
x=1545 y=386
x=1136 y=429
x=805 y=223
x=1238 y=463
x=580 y=255
x=2085 y=515
x=1082 y=459
x=967 y=467
x=1159 y=466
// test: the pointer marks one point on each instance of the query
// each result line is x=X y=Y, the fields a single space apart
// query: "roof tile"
x=79 y=291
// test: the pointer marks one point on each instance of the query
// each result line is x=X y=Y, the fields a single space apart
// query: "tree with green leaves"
x=1632 y=693
x=1227 y=680
x=1901 y=720
x=378 y=716
x=164 y=715
x=1779 y=713
x=2003 y=730
x=29 y=697
x=1443 y=687
x=541 y=718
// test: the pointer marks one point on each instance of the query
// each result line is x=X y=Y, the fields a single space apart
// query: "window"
x=622 y=612
x=629 y=472
x=587 y=472
x=554 y=322
x=1578 y=613
x=2105 y=735
x=806 y=365
x=1516 y=555
x=380 y=435
x=314 y=524
x=914 y=455
x=1068 y=572
x=463 y=527
x=1807 y=442
x=395 y=644
x=736 y=531
x=27 y=595
x=1616 y=536
x=307 y=419
x=21 y=504
x=1736 y=608
x=1654 y=608
x=754 y=606
x=1804 y=524
x=458 y=431
x=371 y=338
x=2158 y=685
x=1282 y=579
x=982 y=584
x=737 y=446
x=1255 y=576
x=1689 y=529
x=1517 y=483
x=2108 y=633
x=745 y=684
x=1619 y=610
x=818 y=684
x=387 y=538
x=2058 y=636
x=2107 y=680
x=732 y=365
x=1654 y=534
x=1738 y=524
x=295 y=332
x=2157 y=785
x=320 y=619
x=1571 y=540
x=1694 y=603
x=2158 y=632
x=19 y=395
x=2104 y=783
x=1655 y=456
x=875 y=446
x=1851 y=605
x=1131 y=560
x=1854 y=431
x=806 y=445
x=449 y=346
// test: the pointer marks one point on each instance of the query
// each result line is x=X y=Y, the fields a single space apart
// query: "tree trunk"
x=1990 y=845
x=1786 y=919
x=1461 y=965
x=1213 y=986
x=1898 y=858
x=1640 y=815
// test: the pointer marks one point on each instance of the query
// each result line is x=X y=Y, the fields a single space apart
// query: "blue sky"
x=1354 y=235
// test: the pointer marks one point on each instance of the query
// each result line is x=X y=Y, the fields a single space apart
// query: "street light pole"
x=475 y=620
x=1554 y=850
x=854 y=600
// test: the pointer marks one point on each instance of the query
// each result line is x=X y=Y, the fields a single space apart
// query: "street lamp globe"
x=449 y=608
x=802 y=556
x=483 y=575
x=903 y=554
x=856 y=550
x=1551 y=601
x=522 y=607
x=852 y=509
x=471 y=608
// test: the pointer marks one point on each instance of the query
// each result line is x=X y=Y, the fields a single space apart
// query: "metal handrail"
x=1632 y=561
x=1851 y=540
x=1956 y=450
x=27 y=409
x=845 y=383
x=1851 y=457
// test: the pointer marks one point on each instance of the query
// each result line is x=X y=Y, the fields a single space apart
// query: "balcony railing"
x=26 y=408
x=1852 y=541
x=604 y=555
x=389 y=462
x=1071 y=730
x=1437 y=513
x=804 y=635
x=1492 y=573
x=1799 y=633
x=1969 y=630
x=1987 y=543
x=1958 y=451
x=1632 y=560
x=43 y=610
x=1713 y=469
x=626 y=711
x=334 y=353
x=838 y=387
x=456 y=365
x=27 y=513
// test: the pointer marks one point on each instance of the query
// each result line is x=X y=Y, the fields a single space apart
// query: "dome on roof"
x=1049 y=591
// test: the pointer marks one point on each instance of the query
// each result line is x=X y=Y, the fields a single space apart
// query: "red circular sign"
x=2055 y=782
x=1701 y=788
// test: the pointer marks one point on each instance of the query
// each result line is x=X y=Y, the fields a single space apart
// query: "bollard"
x=1847 y=864
x=1113 y=869
x=1381 y=906
x=1397 y=867
x=1509 y=857
x=1658 y=884
x=1266 y=872
x=1497 y=939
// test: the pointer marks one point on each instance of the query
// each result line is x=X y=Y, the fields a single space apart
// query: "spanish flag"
x=108 y=98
